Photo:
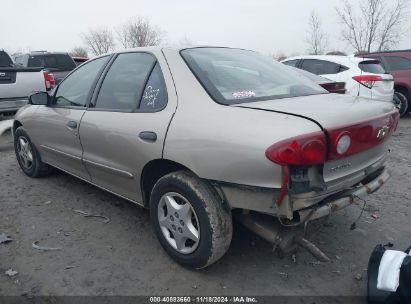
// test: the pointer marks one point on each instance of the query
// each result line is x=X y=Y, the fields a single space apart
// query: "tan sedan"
x=203 y=134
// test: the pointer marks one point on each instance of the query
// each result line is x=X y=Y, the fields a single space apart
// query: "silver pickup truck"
x=16 y=83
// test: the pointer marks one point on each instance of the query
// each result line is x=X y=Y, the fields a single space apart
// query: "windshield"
x=61 y=62
x=233 y=76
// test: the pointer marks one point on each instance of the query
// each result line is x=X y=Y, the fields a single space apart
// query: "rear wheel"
x=27 y=155
x=402 y=102
x=189 y=219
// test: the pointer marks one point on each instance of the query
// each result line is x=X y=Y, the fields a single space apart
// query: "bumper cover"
x=345 y=200
x=12 y=104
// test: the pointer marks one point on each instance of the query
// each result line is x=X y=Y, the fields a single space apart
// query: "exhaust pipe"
x=285 y=239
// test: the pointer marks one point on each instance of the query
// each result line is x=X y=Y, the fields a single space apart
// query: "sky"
x=268 y=26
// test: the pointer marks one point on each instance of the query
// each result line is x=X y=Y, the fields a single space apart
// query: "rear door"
x=126 y=125
x=56 y=127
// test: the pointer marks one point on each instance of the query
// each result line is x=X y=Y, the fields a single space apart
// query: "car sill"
x=93 y=184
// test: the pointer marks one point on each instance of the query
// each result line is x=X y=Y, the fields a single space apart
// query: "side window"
x=124 y=83
x=35 y=61
x=292 y=63
x=75 y=89
x=320 y=67
x=155 y=94
x=396 y=63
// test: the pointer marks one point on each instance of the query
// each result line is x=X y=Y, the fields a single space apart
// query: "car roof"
x=47 y=53
x=344 y=60
x=387 y=52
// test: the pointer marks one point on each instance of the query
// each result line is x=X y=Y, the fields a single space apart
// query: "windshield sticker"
x=243 y=94
x=150 y=96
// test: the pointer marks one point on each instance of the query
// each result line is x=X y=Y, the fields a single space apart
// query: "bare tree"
x=376 y=26
x=99 y=41
x=339 y=53
x=316 y=39
x=79 y=51
x=138 y=32
x=278 y=56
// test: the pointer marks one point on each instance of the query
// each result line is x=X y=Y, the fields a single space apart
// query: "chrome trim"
x=93 y=184
x=60 y=152
x=109 y=169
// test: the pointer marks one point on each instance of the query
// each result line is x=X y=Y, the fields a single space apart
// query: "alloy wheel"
x=25 y=153
x=178 y=222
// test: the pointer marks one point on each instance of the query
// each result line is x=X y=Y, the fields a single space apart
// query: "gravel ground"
x=123 y=257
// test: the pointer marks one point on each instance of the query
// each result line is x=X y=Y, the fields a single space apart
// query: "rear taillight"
x=305 y=150
x=334 y=87
x=352 y=139
x=367 y=80
x=49 y=80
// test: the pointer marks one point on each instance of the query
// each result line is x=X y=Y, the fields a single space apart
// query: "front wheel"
x=190 y=220
x=27 y=155
x=401 y=102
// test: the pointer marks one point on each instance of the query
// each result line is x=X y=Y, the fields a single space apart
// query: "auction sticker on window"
x=243 y=94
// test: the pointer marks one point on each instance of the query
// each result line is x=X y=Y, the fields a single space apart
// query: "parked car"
x=362 y=77
x=79 y=60
x=202 y=134
x=17 y=83
x=329 y=85
x=398 y=63
x=60 y=64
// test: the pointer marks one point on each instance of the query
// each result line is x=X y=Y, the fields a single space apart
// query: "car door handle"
x=148 y=136
x=72 y=124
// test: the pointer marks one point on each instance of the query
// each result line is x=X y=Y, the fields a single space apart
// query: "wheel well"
x=16 y=124
x=403 y=90
x=155 y=170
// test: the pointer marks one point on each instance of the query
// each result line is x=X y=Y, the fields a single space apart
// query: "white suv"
x=362 y=76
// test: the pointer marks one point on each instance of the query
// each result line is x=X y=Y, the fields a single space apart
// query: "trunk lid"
x=327 y=110
x=365 y=120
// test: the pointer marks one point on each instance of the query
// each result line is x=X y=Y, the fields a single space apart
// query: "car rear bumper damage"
x=261 y=199
x=344 y=200
x=286 y=236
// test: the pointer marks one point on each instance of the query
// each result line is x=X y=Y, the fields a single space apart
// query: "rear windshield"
x=233 y=76
x=5 y=59
x=372 y=66
x=61 y=62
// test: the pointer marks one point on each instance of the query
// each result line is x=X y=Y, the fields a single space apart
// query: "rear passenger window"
x=292 y=63
x=398 y=63
x=371 y=66
x=124 y=83
x=321 y=67
x=154 y=95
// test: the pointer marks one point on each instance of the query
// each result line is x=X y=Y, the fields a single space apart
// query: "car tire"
x=171 y=198
x=402 y=103
x=28 y=156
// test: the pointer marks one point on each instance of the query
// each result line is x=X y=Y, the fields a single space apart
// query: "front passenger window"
x=75 y=89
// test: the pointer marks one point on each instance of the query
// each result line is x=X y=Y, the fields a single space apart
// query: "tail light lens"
x=352 y=139
x=302 y=150
x=367 y=80
x=334 y=87
x=49 y=80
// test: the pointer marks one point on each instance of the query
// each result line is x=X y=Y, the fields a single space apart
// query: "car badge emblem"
x=2 y=74
x=382 y=132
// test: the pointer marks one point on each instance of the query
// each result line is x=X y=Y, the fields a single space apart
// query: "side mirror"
x=39 y=98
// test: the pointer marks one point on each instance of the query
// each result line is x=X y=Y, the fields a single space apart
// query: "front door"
x=126 y=125
x=58 y=124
